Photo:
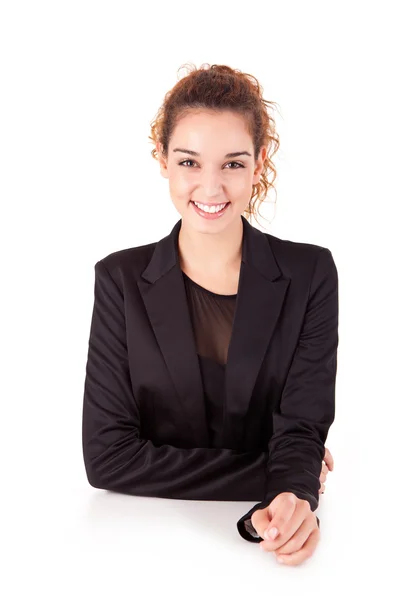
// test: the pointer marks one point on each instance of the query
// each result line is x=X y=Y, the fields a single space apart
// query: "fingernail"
x=271 y=534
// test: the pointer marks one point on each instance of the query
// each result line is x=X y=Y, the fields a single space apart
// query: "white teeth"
x=211 y=209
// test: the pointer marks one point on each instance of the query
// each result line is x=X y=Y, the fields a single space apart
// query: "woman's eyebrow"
x=229 y=155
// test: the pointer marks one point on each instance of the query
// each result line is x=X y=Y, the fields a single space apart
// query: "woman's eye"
x=239 y=165
x=236 y=163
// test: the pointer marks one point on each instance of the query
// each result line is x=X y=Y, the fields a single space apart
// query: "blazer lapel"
x=259 y=302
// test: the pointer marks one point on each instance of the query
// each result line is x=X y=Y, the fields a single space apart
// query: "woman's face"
x=207 y=174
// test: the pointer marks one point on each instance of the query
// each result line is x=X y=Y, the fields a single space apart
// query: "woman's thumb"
x=261 y=522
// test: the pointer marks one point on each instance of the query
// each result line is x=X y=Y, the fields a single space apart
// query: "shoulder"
x=292 y=249
x=298 y=258
x=126 y=262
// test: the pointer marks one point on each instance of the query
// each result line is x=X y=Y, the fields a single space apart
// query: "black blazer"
x=144 y=428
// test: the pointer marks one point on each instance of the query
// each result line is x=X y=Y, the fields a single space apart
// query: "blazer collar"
x=261 y=293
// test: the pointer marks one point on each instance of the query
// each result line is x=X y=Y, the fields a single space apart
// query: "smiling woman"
x=214 y=115
x=212 y=353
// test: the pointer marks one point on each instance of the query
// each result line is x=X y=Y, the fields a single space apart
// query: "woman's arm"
x=116 y=457
x=307 y=407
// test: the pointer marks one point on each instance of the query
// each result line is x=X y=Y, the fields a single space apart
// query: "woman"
x=212 y=353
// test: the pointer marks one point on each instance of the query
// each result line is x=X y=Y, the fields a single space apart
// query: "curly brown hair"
x=219 y=87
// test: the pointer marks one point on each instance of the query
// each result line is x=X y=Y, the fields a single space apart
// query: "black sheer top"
x=212 y=320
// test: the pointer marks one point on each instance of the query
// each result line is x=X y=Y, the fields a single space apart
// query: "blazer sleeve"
x=307 y=407
x=116 y=458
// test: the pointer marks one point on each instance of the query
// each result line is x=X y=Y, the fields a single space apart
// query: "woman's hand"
x=297 y=533
x=327 y=465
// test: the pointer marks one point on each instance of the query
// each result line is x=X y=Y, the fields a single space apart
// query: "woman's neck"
x=211 y=253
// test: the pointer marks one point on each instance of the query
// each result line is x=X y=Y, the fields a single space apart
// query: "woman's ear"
x=162 y=160
x=259 y=164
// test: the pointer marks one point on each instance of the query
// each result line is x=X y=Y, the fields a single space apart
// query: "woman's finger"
x=304 y=553
x=297 y=541
x=328 y=458
x=288 y=513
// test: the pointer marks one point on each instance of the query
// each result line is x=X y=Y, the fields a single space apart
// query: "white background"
x=80 y=83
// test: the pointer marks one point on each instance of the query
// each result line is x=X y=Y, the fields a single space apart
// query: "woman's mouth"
x=211 y=215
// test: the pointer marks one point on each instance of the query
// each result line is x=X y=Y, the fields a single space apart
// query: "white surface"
x=65 y=538
x=81 y=82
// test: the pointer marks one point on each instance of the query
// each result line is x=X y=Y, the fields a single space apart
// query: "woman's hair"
x=217 y=88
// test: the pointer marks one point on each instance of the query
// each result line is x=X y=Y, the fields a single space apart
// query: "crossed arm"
x=117 y=459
